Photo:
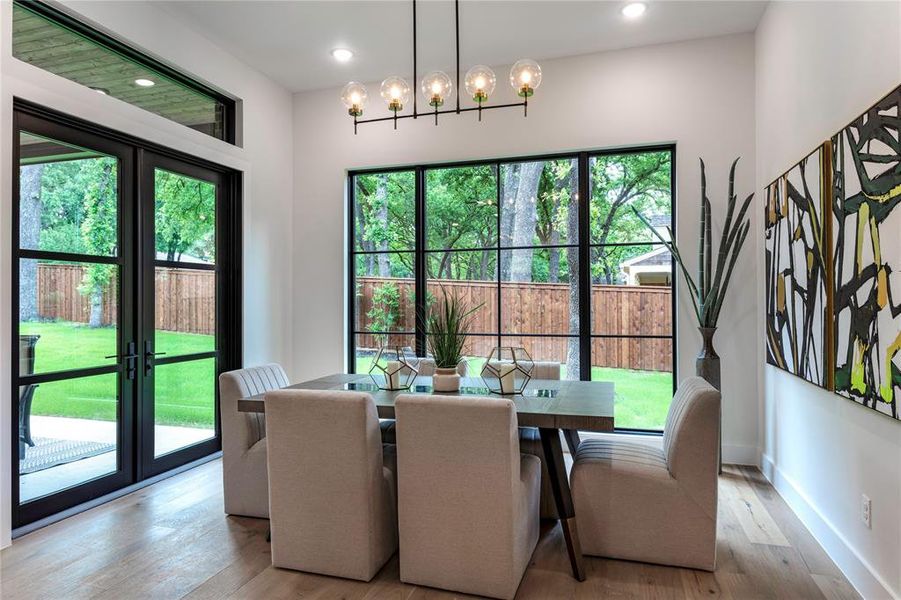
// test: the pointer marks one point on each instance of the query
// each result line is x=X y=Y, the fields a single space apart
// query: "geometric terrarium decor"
x=833 y=262
x=394 y=368
x=507 y=370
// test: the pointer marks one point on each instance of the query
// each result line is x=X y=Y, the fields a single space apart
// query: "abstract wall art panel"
x=832 y=227
x=867 y=257
x=797 y=266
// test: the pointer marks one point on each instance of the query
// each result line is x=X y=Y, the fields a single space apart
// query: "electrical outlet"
x=866 y=509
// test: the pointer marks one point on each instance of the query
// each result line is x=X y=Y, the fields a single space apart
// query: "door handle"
x=129 y=357
x=149 y=355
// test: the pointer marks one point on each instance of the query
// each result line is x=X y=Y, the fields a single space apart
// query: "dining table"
x=553 y=406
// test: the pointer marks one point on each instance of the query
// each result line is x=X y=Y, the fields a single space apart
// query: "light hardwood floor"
x=171 y=540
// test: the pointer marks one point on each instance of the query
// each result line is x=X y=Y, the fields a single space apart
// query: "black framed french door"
x=73 y=316
x=126 y=306
x=181 y=289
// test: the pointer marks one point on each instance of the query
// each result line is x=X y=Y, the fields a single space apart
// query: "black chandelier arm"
x=444 y=112
x=458 y=109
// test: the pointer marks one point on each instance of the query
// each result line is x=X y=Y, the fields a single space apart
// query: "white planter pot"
x=446 y=380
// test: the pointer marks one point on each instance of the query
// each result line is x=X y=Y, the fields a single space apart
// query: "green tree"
x=185 y=218
x=639 y=180
x=99 y=230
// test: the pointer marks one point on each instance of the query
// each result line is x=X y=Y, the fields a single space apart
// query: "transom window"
x=585 y=284
x=53 y=41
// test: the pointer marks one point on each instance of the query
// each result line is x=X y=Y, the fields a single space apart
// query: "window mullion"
x=419 y=271
x=497 y=249
x=584 y=269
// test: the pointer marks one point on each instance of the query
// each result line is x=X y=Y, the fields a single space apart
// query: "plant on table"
x=449 y=321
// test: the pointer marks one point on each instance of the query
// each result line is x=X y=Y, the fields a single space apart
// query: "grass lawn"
x=642 y=397
x=185 y=392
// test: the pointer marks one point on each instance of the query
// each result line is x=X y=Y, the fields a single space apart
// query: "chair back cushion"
x=546 y=370
x=458 y=488
x=240 y=430
x=427 y=367
x=326 y=480
x=691 y=437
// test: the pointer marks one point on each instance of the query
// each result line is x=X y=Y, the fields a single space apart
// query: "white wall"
x=698 y=94
x=818 y=66
x=266 y=160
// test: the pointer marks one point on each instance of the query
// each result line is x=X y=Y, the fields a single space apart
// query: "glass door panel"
x=75 y=381
x=181 y=358
x=69 y=310
x=184 y=401
x=124 y=278
x=70 y=434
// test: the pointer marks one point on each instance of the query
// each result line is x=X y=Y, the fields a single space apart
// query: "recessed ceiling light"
x=342 y=54
x=633 y=10
x=145 y=82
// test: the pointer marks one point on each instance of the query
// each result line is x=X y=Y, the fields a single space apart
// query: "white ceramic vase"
x=446 y=380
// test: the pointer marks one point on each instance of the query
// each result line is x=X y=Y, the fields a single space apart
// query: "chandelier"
x=438 y=89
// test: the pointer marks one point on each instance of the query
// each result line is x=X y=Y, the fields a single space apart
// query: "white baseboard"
x=858 y=571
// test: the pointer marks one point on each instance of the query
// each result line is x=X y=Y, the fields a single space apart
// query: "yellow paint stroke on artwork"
x=771 y=205
x=863 y=219
x=857 y=379
x=809 y=262
x=874 y=237
x=882 y=288
x=886 y=196
x=887 y=390
x=774 y=346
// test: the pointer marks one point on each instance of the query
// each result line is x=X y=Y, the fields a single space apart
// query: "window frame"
x=67 y=21
x=584 y=245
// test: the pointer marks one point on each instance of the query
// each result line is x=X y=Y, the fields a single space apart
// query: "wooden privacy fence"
x=185 y=299
x=542 y=308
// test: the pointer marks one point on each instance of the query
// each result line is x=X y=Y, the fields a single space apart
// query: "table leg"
x=556 y=468
x=572 y=440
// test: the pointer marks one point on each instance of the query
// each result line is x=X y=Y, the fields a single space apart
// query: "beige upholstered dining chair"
x=467 y=498
x=427 y=367
x=244 y=480
x=332 y=485
x=654 y=499
x=530 y=443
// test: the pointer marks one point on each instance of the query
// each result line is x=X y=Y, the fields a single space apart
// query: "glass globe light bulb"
x=396 y=92
x=437 y=88
x=354 y=96
x=525 y=77
x=480 y=81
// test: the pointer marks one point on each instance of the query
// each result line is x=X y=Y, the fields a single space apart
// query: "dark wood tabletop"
x=578 y=405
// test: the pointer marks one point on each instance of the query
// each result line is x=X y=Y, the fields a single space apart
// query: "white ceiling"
x=290 y=41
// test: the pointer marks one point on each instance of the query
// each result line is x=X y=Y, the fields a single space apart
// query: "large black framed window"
x=547 y=247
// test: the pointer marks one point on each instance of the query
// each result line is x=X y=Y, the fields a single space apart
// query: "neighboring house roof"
x=660 y=220
x=658 y=256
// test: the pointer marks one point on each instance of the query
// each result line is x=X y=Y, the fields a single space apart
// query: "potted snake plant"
x=708 y=291
x=449 y=322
